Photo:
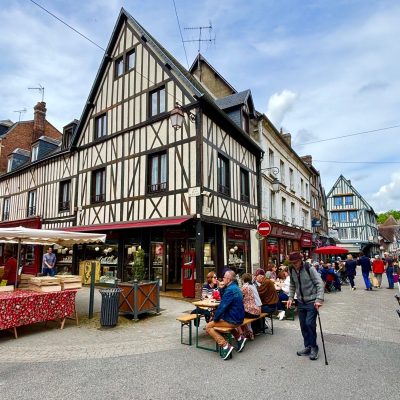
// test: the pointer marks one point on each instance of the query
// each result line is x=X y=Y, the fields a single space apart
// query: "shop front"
x=306 y=244
x=280 y=243
x=238 y=247
x=142 y=250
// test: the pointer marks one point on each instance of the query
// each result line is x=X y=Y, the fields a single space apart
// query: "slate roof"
x=233 y=100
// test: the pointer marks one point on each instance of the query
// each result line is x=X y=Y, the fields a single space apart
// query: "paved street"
x=145 y=360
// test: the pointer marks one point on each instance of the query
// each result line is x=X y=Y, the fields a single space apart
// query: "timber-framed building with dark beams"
x=123 y=170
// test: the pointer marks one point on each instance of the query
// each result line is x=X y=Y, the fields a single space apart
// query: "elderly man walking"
x=306 y=282
x=229 y=314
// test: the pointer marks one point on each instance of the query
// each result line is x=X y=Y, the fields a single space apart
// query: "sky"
x=319 y=69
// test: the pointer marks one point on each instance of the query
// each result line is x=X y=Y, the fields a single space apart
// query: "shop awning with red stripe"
x=148 y=223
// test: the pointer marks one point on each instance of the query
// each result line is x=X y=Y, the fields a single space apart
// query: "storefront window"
x=273 y=250
x=107 y=255
x=238 y=249
x=64 y=259
x=157 y=254
x=130 y=257
x=209 y=257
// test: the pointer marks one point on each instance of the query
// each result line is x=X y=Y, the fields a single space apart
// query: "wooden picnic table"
x=212 y=304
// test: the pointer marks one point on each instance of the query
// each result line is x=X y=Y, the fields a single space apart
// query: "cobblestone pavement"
x=348 y=317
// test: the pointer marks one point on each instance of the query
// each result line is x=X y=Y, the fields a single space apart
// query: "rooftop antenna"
x=200 y=40
x=40 y=88
x=20 y=112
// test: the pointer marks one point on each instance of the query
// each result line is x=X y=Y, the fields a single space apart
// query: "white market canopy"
x=48 y=237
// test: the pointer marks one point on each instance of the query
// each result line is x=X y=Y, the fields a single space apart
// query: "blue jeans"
x=366 y=280
x=389 y=274
x=351 y=279
x=268 y=308
x=308 y=323
x=49 y=271
x=282 y=297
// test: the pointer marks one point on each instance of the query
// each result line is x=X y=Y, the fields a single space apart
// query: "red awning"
x=131 y=225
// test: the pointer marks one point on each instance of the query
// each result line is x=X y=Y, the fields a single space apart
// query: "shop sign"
x=285 y=232
x=315 y=223
x=264 y=228
x=306 y=240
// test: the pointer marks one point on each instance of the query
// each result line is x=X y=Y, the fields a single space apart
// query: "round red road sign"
x=264 y=228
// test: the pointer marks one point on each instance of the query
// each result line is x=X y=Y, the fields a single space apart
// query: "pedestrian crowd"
x=270 y=292
x=276 y=289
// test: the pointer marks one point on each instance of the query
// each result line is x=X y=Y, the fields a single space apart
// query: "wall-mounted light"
x=276 y=184
x=177 y=114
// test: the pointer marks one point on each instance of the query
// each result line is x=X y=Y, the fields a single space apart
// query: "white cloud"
x=388 y=195
x=279 y=105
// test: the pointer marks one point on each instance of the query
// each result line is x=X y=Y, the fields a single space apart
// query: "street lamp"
x=276 y=184
x=177 y=114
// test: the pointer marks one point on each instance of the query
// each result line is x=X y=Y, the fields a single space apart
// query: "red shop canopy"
x=149 y=223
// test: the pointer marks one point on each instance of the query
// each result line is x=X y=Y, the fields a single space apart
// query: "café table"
x=209 y=304
x=25 y=307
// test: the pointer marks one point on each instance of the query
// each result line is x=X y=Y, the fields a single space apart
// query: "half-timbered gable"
x=126 y=122
x=352 y=218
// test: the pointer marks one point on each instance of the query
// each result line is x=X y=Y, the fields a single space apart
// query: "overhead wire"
x=91 y=41
x=349 y=135
x=358 y=162
x=69 y=26
x=180 y=31
x=169 y=94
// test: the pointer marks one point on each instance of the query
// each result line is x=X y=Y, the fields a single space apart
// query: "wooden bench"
x=186 y=320
x=249 y=321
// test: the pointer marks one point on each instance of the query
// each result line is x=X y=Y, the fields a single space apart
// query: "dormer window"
x=9 y=164
x=35 y=152
x=245 y=122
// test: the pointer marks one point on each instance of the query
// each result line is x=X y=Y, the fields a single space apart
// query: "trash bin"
x=109 y=306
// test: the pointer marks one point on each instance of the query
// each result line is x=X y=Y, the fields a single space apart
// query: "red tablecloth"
x=24 y=307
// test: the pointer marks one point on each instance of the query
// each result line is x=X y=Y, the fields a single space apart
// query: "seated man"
x=229 y=314
x=269 y=297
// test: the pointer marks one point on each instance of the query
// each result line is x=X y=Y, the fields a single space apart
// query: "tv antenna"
x=20 y=112
x=200 y=39
x=40 y=88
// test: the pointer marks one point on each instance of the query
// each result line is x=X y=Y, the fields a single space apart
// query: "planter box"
x=138 y=298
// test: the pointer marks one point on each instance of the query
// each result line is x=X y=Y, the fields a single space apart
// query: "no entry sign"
x=264 y=228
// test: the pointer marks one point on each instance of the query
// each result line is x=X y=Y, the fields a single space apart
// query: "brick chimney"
x=307 y=159
x=287 y=137
x=39 y=120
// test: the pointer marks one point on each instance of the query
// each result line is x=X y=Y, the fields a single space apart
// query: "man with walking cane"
x=306 y=282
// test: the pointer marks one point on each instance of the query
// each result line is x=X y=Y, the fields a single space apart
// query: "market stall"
x=21 y=235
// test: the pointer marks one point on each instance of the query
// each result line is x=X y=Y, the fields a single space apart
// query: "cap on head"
x=295 y=256
x=260 y=271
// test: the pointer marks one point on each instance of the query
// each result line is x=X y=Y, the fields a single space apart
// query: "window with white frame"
x=272 y=204
x=282 y=171
x=157 y=167
x=284 y=216
x=31 y=209
x=291 y=179
x=292 y=214
x=65 y=196
x=35 y=152
x=6 y=208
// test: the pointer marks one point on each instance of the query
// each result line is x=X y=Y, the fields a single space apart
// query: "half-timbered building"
x=353 y=218
x=183 y=195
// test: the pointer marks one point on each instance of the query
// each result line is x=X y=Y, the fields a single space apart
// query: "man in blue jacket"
x=365 y=263
x=229 y=314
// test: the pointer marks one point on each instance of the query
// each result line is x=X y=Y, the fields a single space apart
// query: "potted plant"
x=138 y=270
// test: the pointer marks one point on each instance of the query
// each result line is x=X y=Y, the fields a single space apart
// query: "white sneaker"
x=281 y=315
